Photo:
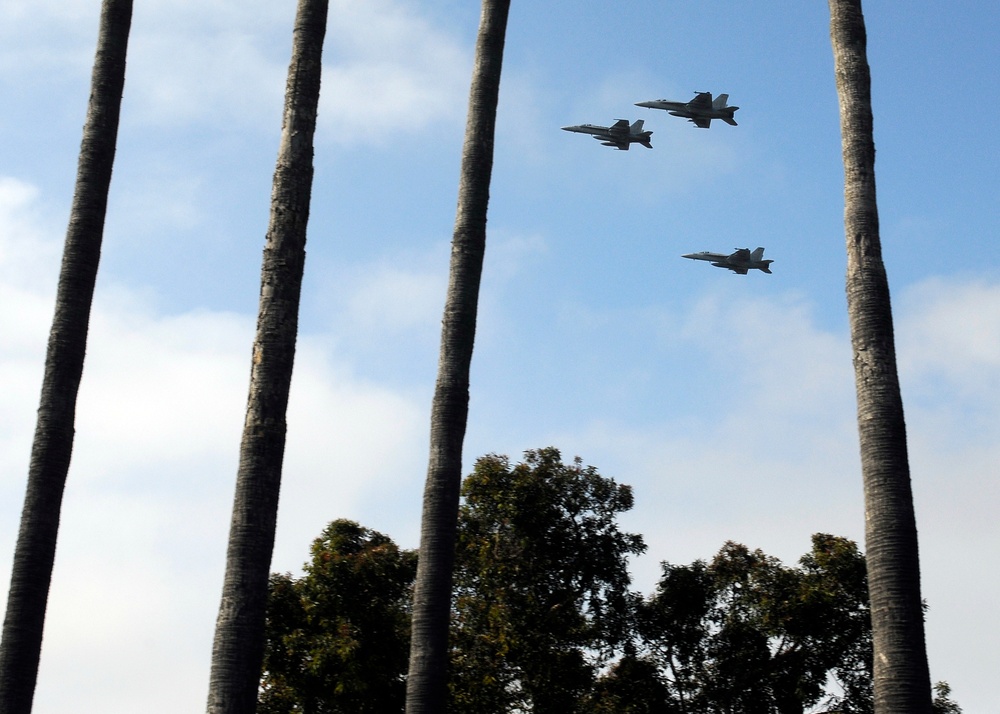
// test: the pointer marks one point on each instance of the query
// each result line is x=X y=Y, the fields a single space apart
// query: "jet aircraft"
x=700 y=111
x=620 y=134
x=739 y=262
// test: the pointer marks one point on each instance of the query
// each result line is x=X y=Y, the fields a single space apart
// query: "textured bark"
x=902 y=681
x=426 y=683
x=34 y=554
x=239 y=636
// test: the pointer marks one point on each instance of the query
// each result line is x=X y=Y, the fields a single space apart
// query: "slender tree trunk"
x=426 y=684
x=53 y=443
x=239 y=636
x=902 y=681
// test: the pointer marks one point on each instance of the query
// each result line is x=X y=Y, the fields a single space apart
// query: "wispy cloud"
x=147 y=504
x=222 y=63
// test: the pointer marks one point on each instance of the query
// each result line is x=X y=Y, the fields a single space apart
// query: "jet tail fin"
x=721 y=104
x=758 y=257
x=636 y=126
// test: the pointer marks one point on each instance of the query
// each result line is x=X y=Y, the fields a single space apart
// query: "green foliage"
x=943 y=703
x=541 y=583
x=746 y=634
x=633 y=685
x=337 y=638
x=543 y=619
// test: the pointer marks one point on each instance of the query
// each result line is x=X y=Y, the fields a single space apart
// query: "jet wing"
x=740 y=271
x=741 y=254
x=702 y=101
x=701 y=122
x=619 y=127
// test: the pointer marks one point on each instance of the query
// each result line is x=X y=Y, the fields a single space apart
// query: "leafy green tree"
x=902 y=679
x=543 y=620
x=239 y=631
x=541 y=584
x=634 y=685
x=427 y=680
x=34 y=554
x=943 y=703
x=338 y=637
x=746 y=634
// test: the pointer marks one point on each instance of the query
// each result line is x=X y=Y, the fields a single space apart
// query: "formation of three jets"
x=700 y=111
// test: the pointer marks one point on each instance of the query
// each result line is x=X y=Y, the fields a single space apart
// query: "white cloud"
x=48 y=35
x=28 y=253
x=402 y=298
x=948 y=342
x=222 y=77
x=146 y=511
x=775 y=462
x=396 y=299
x=388 y=67
x=508 y=254
x=785 y=361
x=147 y=506
x=951 y=331
x=355 y=450
x=29 y=261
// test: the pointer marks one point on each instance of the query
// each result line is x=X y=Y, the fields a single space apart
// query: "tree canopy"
x=541 y=583
x=338 y=637
x=543 y=618
x=744 y=633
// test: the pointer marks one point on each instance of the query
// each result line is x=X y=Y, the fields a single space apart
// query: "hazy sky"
x=726 y=401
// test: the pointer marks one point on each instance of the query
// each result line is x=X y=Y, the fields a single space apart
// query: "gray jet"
x=739 y=262
x=700 y=111
x=620 y=134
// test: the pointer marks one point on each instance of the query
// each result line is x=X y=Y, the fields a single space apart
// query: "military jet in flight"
x=700 y=111
x=739 y=262
x=620 y=134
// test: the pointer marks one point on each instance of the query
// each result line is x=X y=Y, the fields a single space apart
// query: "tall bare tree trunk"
x=35 y=552
x=902 y=681
x=239 y=635
x=426 y=684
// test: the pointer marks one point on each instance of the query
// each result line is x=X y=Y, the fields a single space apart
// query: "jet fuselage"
x=619 y=135
x=700 y=111
x=739 y=261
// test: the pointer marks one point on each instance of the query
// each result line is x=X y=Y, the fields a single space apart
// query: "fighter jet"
x=739 y=262
x=700 y=111
x=620 y=134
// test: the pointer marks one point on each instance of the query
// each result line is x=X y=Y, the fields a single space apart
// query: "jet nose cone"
x=690 y=255
x=648 y=105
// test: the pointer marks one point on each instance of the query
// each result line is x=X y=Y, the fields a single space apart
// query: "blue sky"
x=726 y=401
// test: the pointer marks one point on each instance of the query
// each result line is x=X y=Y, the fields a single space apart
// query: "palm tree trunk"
x=53 y=443
x=239 y=635
x=902 y=681
x=426 y=683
